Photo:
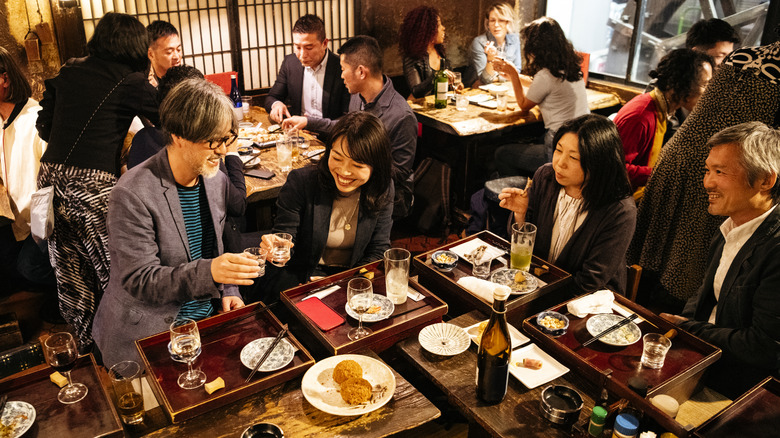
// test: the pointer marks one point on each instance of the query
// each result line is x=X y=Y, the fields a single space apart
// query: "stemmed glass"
x=185 y=343
x=61 y=353
x=280 y=249
x=360 y=296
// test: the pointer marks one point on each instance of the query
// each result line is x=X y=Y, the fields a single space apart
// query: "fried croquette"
x=345 y=370
x=356 y=390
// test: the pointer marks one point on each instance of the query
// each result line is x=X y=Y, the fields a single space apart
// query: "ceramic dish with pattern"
x=626 y=335
x=279 y=358
x=475 y=333
x=508 y=277
x=17 y=418
x=466 y=249
x=551 y=369
x=381 y=309
x=324 y=393
x=444 y=339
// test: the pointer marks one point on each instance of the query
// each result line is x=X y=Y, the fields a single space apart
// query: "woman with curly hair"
x=682 y=75
x=422 y=46
x=556 y=86
x=499 y=40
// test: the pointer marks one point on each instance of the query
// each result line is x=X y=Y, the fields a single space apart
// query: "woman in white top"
x=557 y=87
x=581 y=205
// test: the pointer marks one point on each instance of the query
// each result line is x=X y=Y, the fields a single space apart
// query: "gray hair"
x=196 y=110
x=759 y=151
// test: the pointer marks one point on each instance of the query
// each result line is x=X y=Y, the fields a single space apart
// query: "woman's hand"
x=267 y=243
x=505 y=68
x=490 y=51
x=516 y=200
x=232 y=268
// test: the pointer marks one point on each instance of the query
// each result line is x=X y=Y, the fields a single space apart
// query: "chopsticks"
x=628 y=319
x=2 y=404
x=267 y=353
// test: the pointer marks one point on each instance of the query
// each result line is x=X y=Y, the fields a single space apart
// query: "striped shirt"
x=201 y=238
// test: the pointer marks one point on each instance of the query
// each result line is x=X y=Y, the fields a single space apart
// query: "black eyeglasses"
x=227 y=141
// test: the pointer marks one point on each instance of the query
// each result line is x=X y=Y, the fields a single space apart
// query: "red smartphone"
x=322 y=315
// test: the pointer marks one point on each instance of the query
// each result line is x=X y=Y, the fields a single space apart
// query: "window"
x=256 y=51
x=605 y=29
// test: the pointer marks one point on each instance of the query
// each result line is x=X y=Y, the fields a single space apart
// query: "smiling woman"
x=338 y=212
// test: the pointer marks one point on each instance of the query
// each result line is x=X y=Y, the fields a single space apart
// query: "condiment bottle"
x=235 y=95
x=626 y=426
x=495 y=351
x=440 y=85
x=597 y=420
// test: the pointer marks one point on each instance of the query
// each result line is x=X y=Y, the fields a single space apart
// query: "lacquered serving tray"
x=755 y=414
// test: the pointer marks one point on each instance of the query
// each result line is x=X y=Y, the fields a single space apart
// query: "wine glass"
x=360 y=296
x=280 y=249
x=185 y=343
x=61 y=353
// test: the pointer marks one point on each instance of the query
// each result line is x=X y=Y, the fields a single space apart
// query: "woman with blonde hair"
x=499 y=40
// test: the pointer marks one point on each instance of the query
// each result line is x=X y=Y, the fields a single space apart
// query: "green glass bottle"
x=440 y=84
x=495 y=351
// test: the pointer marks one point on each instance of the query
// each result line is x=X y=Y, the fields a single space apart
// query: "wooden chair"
x=632 y=281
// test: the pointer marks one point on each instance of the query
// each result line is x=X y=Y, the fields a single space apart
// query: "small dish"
x=465 y=249
x=494 y=88
x=279 y=358
x=386 y=308
x=263 y=430
x=506 y=276
x=444 y=339
x=545 y=326
x=516 y=336
x=444 y=261
x=626 y=335
x=18 y=417
x=477 y=98
x=551 y=369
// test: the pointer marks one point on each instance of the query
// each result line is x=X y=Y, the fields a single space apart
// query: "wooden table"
x=458 y=137
x=517 y=415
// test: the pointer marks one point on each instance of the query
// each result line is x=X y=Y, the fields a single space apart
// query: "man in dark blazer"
x=308 y=83
x=165 y=222
x=737 y=307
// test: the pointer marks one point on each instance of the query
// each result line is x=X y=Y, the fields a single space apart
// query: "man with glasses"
x=165 y=224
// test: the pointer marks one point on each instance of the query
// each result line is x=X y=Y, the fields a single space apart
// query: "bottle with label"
x=440 y=84
x=495 y=351
x=235 y=95
x=597 y=420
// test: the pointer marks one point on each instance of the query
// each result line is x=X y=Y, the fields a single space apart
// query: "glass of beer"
x=126 y=381
x=523 y=238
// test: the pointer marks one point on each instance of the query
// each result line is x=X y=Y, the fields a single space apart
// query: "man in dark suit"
x=164 y=49
x=737 y=307
x=165 y=222
x=308 y=83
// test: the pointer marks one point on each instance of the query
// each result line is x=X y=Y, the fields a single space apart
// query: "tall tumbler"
x=397 y=274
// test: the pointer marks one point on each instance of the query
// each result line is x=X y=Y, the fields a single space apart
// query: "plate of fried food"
x=348 y=384
x=520 y=282
x=381 y=308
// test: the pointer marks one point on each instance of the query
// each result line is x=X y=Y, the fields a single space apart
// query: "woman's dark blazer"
x=596 y=253
x=304 y=212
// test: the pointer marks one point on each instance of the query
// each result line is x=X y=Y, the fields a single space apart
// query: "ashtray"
x=444 y=261
x=552 y=323
x=263 y=430
x=561 y=404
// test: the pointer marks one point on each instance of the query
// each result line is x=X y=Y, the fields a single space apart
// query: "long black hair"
x=19 y=90
x=545 y=46
x=679 y=72
x=601 y=158
x=365 y=141
x=121 y=38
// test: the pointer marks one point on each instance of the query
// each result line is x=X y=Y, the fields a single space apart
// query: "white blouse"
x=568 y=217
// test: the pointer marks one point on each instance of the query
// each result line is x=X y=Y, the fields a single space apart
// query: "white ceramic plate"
x=444 y=339
x=551 y=369
x=492 y=104
x=18 y=416
x=386 y=308
x=477 y=98
x=517 y=337
x=506 y=276
x=467 y=247
x=322 y=391
x=279 y=358
x=626 y=335
x=496 y=88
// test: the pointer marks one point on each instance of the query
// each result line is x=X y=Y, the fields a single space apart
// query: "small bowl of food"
x=263 y=430
x=444 y=261
x=552 y=323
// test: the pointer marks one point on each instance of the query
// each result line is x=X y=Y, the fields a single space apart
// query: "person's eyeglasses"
x=227 y=140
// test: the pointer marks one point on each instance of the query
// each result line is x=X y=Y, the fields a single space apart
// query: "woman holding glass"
x=422 y=46
x=337 y=213
x=581 y=205
x=499 y=40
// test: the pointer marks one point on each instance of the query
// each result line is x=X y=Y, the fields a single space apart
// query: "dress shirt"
x=313 y=80
x=735 y=238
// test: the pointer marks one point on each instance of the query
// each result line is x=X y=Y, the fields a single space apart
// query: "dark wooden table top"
x=518 y=414
x=285 y=406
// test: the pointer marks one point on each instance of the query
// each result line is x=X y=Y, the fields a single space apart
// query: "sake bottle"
x=235 y=94
x=495 y=350
x=440 y=84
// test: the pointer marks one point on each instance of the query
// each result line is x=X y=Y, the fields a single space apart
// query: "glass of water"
x=654 y=349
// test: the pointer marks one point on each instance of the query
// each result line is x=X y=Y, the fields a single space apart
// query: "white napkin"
x=482 y=288
x=597 y=302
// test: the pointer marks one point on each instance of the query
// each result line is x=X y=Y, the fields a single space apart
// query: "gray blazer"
x=152 y=273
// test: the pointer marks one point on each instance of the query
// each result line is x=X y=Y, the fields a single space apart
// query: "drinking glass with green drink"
x=523 y=238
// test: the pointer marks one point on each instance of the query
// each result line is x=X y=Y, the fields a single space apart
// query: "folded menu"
x=482 y=288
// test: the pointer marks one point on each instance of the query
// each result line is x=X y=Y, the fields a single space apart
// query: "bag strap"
x=90 y=118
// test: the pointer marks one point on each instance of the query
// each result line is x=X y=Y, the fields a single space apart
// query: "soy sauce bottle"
x=495 y=350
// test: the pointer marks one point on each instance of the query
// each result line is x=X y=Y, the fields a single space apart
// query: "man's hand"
x=232 y=268
x=278 y=112
x=674 y=319
x=231 y=303
x=294 y=122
